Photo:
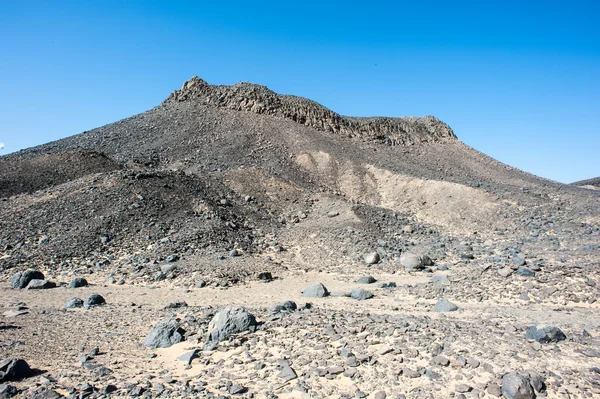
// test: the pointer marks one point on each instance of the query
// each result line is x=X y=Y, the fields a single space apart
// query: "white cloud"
x=1 y=146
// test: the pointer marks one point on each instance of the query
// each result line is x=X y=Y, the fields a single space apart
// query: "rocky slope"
x=438 y=259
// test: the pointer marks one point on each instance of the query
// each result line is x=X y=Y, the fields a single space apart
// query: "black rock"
x=14 y=369
x=164 y=334
x=78 y=282
x=74 y=303
x=545 y=334
x=22 y=279
x=93 y=300
x=265 y=276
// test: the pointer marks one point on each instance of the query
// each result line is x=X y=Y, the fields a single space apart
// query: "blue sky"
x=517 y=80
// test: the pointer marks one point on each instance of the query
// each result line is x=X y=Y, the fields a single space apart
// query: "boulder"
x=74 y=303
x=14 y=369
x=164 y=334
x=78 y=283
x=227 y=322
x=316 y=290
x=22 y=279
x=93 y=300
x=444 y=305
x=360 y=294
x=516 y=386
x=545 y=334
x=413 y=262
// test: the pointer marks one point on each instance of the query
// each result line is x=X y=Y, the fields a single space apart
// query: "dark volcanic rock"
x=164 y=334
x=545 y=334
x=74 y=303
x=14 y=369
x=22 y=279
x=226 y=323
x=94 y=300
x=78 y=282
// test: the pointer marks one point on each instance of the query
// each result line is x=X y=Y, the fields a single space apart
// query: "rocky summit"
x=235 y=242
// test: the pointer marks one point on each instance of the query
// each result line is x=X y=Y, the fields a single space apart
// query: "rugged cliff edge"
x=260 y=100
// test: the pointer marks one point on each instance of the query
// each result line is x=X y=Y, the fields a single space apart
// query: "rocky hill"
x=588 y=182
x=434 y=261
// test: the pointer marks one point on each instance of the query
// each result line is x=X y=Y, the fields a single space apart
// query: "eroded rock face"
x=227 y=322
x=260 y=100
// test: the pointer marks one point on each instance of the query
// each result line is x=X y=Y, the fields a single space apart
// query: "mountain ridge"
x=259 y=99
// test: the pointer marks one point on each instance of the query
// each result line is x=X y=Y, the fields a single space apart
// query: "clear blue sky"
x=518 y=80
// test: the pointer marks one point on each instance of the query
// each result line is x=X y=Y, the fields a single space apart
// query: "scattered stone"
x=7 y=391
x=176 y=305
x=74 y=303
x=164 y=334
x=332 y=214
x=440 y=279
x=189 y=356
x=505 y=271
x=93 y=301
x=287 y=373
x=37 y=284
x=316 y=290
x=462 y=388
x=226 y=323
x=525 y=271
x=516 y=386
x=22 y=279
x=440 y=361
x=372 y=258
x=412 y=262
x=360 y=294
x=283 y=307
x=545 y=334
x=366 y=280
x=410 y=373
x=200 y=283
x=444 y=305
x=264 y=276
x=78 y=283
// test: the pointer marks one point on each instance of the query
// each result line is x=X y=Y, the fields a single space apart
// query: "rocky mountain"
x=434 y=261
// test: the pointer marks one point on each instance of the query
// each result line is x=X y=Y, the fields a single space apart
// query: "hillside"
x=201 y=197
